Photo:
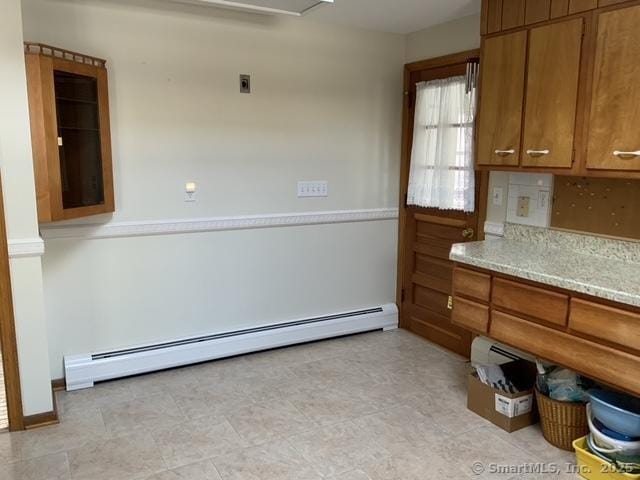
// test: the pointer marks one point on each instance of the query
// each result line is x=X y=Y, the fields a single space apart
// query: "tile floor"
x=378 y=406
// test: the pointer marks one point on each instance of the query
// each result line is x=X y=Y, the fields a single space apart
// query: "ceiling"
x=396 y=16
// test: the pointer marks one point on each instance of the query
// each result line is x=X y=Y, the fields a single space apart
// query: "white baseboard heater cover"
x=81 y=371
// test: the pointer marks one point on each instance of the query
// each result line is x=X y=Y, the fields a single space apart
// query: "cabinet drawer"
x=470 y=315
x=591 y=359
x=608 y=323
x=531 y=301
x=471 y=284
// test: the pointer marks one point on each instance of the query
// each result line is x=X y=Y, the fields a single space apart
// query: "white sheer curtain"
x=442 y=174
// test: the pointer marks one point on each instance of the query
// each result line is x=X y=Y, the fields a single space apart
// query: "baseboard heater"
x=82 y=371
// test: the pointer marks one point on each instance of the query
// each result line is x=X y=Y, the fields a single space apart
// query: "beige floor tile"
x=530 y=440
x=9 y=447
x=196 y=440
x=482 y=453
x=141 y=413
x=337 y=449
x=261 y=422
x=123 y=458
x=378 y=406
x=196 y=471
x=161 y=382
x=352 y=475
x=448 y=414
x=273 y=461
x=412 y=463
x=75 y=430
x=208 y=400
x=102 y=394
x=396 y=428
x=51 y=467
x=332 y=405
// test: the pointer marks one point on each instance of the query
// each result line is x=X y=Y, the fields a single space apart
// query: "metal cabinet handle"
x=626 y=155
x=468 y=233
x=504 y=153
x=538 y=153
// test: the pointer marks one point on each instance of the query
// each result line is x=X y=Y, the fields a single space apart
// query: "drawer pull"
x=538 y=153
x=504 y=153
x=626 y=155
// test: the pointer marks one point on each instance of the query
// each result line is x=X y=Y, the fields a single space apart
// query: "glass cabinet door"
x=79 y=141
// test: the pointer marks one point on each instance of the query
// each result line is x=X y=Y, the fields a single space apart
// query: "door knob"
x=468 y=233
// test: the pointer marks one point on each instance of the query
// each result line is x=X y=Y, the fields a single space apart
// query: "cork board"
x=597 y=205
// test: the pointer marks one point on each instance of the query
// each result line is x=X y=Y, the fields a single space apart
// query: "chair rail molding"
x=212 y=224
x=26 y=247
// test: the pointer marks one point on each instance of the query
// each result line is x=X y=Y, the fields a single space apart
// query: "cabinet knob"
x=468 y=232
x=504 y=153
x=538 y=153
x=626 y=155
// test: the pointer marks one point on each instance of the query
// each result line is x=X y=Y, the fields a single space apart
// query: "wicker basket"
x=562 y=422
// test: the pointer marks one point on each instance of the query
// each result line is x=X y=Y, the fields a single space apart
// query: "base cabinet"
x=594 y=338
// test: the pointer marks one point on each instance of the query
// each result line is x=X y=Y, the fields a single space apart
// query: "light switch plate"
x=313 y=189
x=498 y=194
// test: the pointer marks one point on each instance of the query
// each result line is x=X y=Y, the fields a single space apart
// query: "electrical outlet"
x=313 y=189
x=523 y=206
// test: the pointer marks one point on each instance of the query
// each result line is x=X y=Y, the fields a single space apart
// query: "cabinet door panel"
x=577 y=6
x=513 y=12
x=537 y=11
x=615 y=116
x=501 y=99
x=552 y=94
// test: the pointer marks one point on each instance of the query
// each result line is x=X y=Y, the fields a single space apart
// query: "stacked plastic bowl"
x=614 y=424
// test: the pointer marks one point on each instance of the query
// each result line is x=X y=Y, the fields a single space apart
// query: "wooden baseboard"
x=46 y=418
x=59 y=384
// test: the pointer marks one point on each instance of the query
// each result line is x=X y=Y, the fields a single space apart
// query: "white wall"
x=326 y=105
x=451 y=37
x=20 y=214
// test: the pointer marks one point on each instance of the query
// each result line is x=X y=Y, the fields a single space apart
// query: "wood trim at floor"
x=59 y=384
x=43 y=419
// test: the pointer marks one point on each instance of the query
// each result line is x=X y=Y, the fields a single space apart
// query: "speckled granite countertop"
x=604 y=268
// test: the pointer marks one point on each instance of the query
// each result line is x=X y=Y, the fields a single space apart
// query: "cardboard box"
x=509 y=411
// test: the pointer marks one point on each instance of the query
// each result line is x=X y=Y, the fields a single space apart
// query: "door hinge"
x=450 y=303
x=59 y=141
x=402 y=295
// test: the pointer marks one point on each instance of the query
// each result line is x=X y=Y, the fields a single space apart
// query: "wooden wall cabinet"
x=70 y=135
x=528 y=96
x=614 y=120
x=565 y=102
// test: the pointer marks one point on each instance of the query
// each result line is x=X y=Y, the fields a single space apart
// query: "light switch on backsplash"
x=528 y=201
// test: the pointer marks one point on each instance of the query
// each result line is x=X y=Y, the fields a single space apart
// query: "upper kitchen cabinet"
x=552 y=94
x=559 y=87
x=70 y=135
x=501 y=99
x=529 y=120
x=614 y=119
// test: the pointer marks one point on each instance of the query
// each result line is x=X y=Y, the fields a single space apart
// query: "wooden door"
x=428 y=274
x=426 y=235
x=552 y=94
x=501 y=99
x=614 y=142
